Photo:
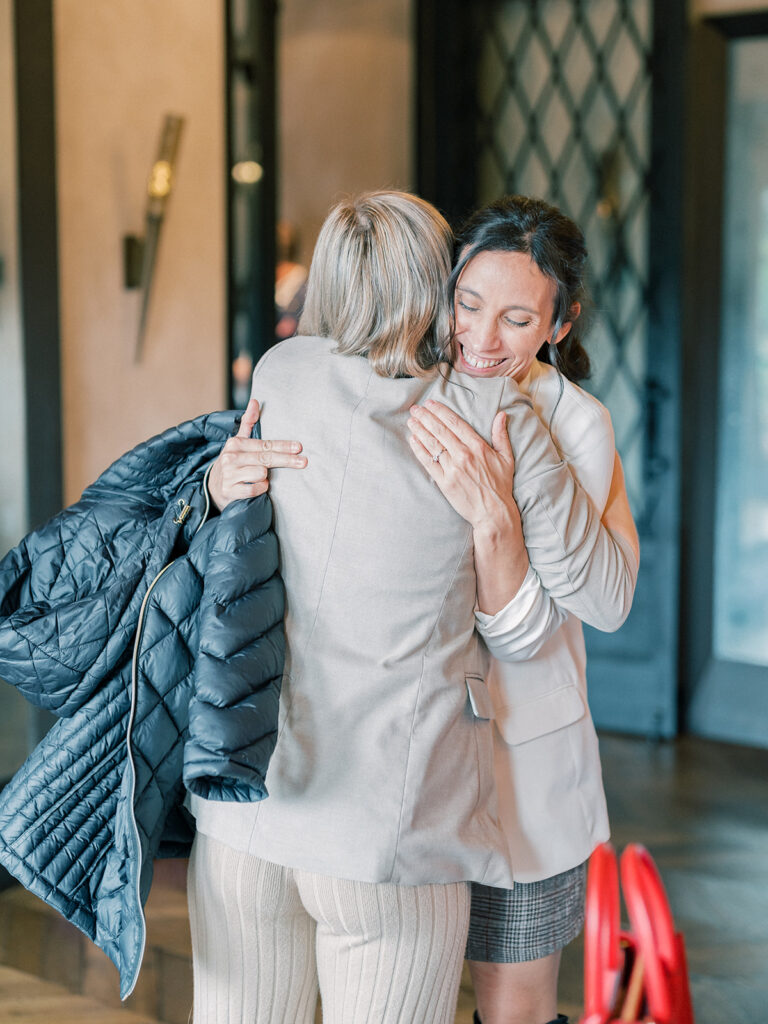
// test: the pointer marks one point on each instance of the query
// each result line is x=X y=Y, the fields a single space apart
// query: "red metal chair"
x=639 y=974
x=666 y=987
x=603 y=958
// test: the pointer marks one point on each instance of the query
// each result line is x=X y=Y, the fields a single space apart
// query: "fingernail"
x=295 y=447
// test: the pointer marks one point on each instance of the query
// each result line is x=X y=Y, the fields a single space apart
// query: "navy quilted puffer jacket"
x=155 y=634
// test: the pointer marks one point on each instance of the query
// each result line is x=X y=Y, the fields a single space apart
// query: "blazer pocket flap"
x=522 y=722
x=479 y=697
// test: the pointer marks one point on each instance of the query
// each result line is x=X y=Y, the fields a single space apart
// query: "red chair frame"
x=662 y=948
x=658 y=951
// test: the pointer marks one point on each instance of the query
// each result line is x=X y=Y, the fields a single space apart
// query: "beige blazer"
x=547 y=761
x=383 y=766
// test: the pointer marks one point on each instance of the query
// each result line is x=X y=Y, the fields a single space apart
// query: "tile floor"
x=700 y=807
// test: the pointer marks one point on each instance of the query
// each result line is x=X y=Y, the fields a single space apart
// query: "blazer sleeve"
x=586 y=568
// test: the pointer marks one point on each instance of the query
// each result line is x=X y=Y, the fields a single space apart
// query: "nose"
x=482 y=334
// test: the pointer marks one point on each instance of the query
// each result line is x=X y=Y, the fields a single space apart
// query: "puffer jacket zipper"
x=179 y=518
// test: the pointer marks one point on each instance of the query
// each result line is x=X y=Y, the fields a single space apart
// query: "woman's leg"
x=515 y=940
x=524 y=993
x=252 y=941
x=387 y=953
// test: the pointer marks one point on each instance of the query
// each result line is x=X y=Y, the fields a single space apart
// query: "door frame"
x=702 y=319
x=647 y=703
x=38 y=254
x=644 y=655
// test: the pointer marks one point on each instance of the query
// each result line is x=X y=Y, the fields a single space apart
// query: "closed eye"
x=516 y=323
x=470 y=309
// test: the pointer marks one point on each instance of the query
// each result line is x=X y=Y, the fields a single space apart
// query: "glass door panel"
x=741 y=531
x=729 y=696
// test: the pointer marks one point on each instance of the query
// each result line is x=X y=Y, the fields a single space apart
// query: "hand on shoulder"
x=242 y=467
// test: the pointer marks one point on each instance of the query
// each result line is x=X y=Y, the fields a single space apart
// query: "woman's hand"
x=476 y=478
x=242 y=468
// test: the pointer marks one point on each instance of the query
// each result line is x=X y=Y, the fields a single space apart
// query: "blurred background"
x=645 y=120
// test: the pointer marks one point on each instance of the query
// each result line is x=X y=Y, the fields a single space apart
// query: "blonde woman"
x=354 y=873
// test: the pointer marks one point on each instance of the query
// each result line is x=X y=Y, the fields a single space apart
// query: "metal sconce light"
x=609 y=211
x=139 y=254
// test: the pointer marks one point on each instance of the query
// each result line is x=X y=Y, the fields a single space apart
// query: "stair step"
x=26 y=999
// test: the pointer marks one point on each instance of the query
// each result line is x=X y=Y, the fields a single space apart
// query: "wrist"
x=500 y=527
x=212 y=484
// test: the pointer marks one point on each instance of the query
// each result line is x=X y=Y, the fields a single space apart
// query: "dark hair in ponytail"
x=556 y=245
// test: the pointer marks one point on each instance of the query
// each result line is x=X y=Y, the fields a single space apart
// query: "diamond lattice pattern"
x=564 y=113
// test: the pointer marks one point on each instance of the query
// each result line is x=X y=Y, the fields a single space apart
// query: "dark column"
x=446 y=71
x=38 y=253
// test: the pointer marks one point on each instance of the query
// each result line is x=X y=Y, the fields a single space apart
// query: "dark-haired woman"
x=518 y=295
x=382 y=804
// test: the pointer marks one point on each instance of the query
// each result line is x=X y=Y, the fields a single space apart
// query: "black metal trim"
x=38 y=254
x=446 y=62
x=740 y=26
x=258 y=60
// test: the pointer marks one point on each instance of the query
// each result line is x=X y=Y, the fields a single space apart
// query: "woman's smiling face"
x=504 y=309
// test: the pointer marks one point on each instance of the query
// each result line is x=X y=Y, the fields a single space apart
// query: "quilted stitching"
x=70 y=595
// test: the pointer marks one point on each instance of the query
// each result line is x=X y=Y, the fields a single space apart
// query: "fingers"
x=259 y=452
x=431 y=430
x=500 y=436
x=427 y=441
x=438 y=417
x=242 y=456
x=249 y=418
x=425 y=457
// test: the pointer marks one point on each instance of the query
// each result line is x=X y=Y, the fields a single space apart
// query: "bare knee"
x=523 y=993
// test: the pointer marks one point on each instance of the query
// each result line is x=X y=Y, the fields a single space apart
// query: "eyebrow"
x=513 y=305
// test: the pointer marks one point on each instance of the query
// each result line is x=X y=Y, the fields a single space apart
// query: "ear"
x=575 y=312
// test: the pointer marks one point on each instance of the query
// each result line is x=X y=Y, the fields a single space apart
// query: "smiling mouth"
x=477 y=363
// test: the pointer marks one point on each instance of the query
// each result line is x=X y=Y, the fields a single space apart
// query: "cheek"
x=520 y=348
x=461 y=322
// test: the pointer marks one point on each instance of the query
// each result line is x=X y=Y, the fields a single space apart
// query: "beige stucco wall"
x=345 y=101
x=120 y=67
x=13 y=496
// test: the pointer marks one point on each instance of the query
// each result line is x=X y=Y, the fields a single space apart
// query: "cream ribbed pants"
x=263 y=936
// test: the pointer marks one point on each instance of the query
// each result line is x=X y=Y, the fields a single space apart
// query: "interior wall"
x=13 y=458
x=120 y=67
x=13 y=455
x=345 y=104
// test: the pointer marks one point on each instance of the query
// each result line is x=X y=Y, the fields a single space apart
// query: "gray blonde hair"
x=377 y=282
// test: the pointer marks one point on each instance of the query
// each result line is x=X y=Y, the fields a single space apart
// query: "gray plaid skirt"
x=528 y=922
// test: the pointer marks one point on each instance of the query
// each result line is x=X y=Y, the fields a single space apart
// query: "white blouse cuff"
x=524 y=624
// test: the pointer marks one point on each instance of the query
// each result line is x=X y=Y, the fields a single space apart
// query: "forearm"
x=501 y=560
x=586 y=565
x=521 y=628
x=587 y=568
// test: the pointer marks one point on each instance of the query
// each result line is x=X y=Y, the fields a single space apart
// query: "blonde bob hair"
x=377 y=282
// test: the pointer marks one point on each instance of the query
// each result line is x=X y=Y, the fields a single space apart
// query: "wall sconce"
x=609 y=212
x=139 y=254
x=608 y=179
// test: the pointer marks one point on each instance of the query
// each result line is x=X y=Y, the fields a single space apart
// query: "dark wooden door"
x=579 y=103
